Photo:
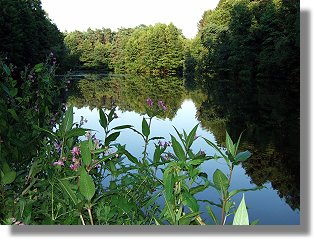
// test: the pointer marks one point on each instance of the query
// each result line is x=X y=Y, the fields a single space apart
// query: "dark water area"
x=265 y=110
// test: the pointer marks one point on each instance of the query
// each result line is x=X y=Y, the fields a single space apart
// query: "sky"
x=73 y=15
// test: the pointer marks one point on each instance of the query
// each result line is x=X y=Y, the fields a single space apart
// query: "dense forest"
x=243 y=66
x=239 y=39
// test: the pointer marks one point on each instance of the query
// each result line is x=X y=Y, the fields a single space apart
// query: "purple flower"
x=161 y=105
x=57 y=146
x=201 y=152
x=149 y=102
x=74 y=167
x=75 y=151
x=59 y=162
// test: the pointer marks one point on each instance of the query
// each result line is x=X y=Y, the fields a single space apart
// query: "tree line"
x=239 y=39
x=154 y=50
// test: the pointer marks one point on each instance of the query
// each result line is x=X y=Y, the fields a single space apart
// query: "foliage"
x=77 y=180
x=27 y=35
x=249 y=39
x=154 y=50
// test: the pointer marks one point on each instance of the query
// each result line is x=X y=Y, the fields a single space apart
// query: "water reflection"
x=268 y=111
x=269 y=116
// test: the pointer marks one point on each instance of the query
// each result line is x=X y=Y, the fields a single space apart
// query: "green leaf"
x=156 y=155
x=229 y=144
x=103 y=119
x=131 y=157
x=8 y=177
x=241 y=215
x=216 y=148
x=39 y=67
x=145 y=128
x=190 y=201
x=67 y=121
x=212 y=215
x=156 y=138
x=122 y=127
x=75 y=132
x=199 y=188
x=195 y=162
x=178 y=150
x=180 y=136
x=236 y=191
x=220 y=180
x=238 y=142
x=6 y=168
x=13 y=92
x=86 y=153
x=112 y=137
x=242 y=156
x=111 y=114
x=191 y=137
x=186 y=219
x=6 y=69
x=168 y=182
x=152 y=200
x=87 y=186
x=255 y=222
x=65 y=185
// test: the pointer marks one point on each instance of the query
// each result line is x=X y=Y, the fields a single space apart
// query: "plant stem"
x=146 y=142
x=90 y=215
x=82 y=220
x=225 y=198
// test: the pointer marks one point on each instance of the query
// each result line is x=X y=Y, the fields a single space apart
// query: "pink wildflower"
x=75 y=151
x=59 y=162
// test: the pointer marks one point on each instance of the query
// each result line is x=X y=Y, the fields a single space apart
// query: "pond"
x=216 y=108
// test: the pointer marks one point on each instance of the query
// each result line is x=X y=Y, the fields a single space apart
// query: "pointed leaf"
x=216 y=148
x=111 y=114
x=229 y=144
x=67 y=121
x=86 y=153
x=238 y=142
x=8 y=177
x=103 y=119
x=212 y=215
x=190 y=201
x=75 y=132
x=145 y=128
x=236 y=191
x=87 y=186
x=112 y=137
x=65 y=185
x=178 y=150
x=241 y=215
x=168 y=182
x=242 y=156
x=220 y=180
x=191 y=137
x=122 y=127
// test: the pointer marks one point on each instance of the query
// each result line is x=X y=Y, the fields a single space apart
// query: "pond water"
x=271 y=164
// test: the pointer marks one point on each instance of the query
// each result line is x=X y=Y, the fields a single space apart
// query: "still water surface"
x=271 y=205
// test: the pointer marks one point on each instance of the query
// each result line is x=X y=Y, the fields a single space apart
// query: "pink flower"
x=59 y=162
x=75 y=151
x=74 y=167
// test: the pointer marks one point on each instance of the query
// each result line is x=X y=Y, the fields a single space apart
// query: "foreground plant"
x=79 y=179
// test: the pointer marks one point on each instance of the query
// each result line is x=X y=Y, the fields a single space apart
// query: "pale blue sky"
x=80 y=14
